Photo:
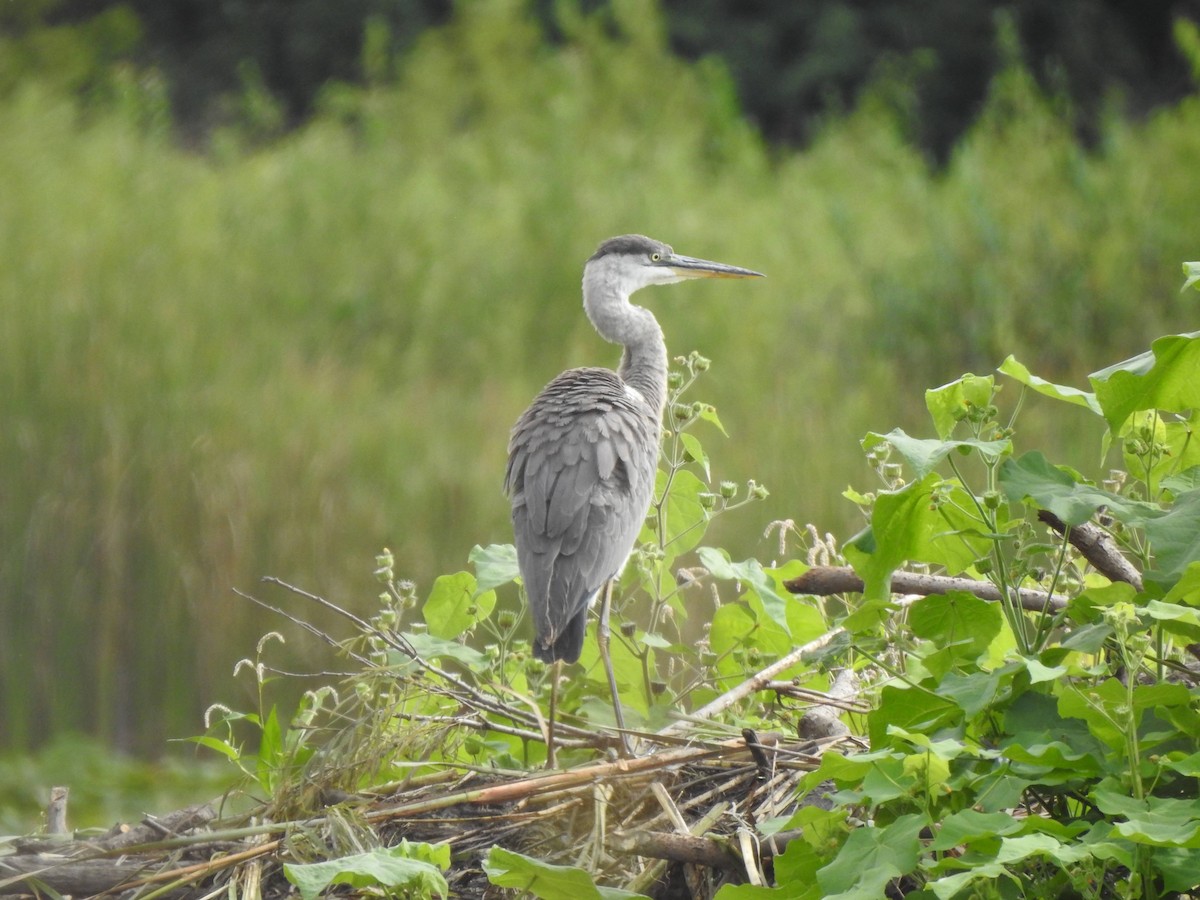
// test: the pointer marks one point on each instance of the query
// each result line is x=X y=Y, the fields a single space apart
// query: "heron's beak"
x=690 y=267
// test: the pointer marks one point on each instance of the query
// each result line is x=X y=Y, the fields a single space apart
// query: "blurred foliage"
x=104 y=787
x=794 y=65
x=278 y=355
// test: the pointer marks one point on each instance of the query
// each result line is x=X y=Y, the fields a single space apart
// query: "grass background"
x=277 y=356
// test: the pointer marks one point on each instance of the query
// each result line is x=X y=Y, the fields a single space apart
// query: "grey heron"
x=582 y=458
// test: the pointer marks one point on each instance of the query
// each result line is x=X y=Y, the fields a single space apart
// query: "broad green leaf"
x=682 y=518
x=954 y=885
x=1188 y=766
x=1174 y=533
x=1163 y=821
x=963 y=827
x=1183 y=621
x=1032 y=477
x=948 y=403
x=1040 y=735
x=907 y=525
x=1016 y=370
x=871 y=858
x=888 y=780
x=1175 y=537
x=732 y=625
x=973 y=691
x=796 y=871
x=628 y=672
x=1068 y=762
x=959 y=621
x=1015 y=849
x=454 y=605
x=709 y=414
x=1181 y=483
x=1179 y=867
x=1107 y=706
x=514 y=870
x=1166 y=377
x=752 y=575
x=428 y=646
x=912 y=710
x=795 y=877
x=923 y=455
x=393 y=868
x=495 y=564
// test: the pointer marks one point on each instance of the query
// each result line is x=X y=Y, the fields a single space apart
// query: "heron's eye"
x=655 y=257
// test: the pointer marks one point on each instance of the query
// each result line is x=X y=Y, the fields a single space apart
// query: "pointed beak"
x=690 y=267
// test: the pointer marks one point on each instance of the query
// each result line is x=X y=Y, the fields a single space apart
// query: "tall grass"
x=276 y=360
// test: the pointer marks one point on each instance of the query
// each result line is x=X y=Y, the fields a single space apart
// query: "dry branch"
x=825 y=580
x=1097 y=547
x=683 y=848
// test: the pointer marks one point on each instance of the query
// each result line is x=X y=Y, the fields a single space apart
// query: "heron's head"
x=635 y=261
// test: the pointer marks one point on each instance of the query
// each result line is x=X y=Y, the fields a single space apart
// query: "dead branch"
x=825 y=580
x=754 y=683
x=1097 y=547
x=824 y=720
x=684 y=848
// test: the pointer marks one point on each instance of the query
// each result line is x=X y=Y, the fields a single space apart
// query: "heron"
x=582 y=458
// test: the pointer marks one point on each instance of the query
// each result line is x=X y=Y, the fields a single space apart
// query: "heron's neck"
x=644 y=360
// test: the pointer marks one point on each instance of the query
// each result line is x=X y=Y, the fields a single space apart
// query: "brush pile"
x=679 y=818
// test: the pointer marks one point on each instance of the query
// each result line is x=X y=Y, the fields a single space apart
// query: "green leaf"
x=923 y=455
x=912 y=710
x=1163 y=821
x=1074 y=396
x=692 y=445
x=495 y=564
x=1179 y=866
x=871 y=858
x=1175 y=536
x=948 y=403
x=454 y=605
x=394 y=868
x=1166 y=377
x=1182 y=482
x=973 y=691
x=708 y=414
x=1031 y=477
x=223 y=747
x=958 y=621
x=795 y=877
x=428 y=646
x=513 y=870
x=751 y=574
x=270 y=750
x=682 y=518
x=1191 y=273
x=1183 y=621
x=907 y=526
x=963 y=827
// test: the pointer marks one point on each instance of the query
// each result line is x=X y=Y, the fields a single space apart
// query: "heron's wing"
x=581 y=476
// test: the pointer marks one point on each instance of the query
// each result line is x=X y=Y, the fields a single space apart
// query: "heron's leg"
x=602 y=636
x=551 y=747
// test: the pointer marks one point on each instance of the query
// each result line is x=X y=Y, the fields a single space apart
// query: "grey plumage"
x=582 y=458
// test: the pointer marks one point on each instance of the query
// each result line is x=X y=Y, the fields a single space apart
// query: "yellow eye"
x=655 y=257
